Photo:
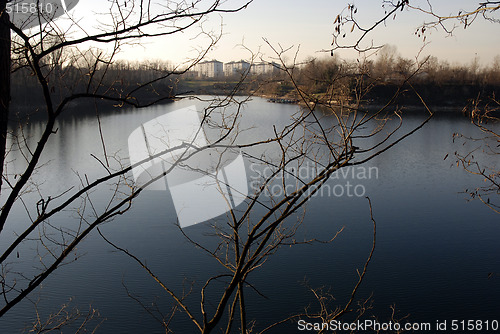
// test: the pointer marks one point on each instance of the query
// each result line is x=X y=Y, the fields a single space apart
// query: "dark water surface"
x=432 y=259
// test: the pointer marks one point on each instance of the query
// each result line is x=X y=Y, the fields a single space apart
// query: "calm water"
x=434 y=249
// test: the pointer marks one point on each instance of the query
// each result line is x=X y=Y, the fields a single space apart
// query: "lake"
x=434 y=254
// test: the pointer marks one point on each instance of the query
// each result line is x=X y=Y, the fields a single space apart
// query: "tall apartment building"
x=265 y=68
x=209 y=69
x=215 y=68
x=236 y=68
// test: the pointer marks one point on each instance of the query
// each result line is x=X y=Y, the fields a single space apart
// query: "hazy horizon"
x=306 y=28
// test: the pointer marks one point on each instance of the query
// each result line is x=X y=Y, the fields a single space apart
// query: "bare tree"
x=347 y=23
x=482 y=110
x=457 y=17
x=483 y=116
x=326 y=135
x=50 y=53
x=5 y=80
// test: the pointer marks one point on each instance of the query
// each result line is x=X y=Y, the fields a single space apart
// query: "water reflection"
x=432 y=260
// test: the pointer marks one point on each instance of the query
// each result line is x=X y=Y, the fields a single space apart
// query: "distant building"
x=214 y=68
x=236 y=68
x=265 y=68
x=209 y=69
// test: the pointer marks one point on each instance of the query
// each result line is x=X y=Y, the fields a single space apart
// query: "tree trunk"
x=4 y=82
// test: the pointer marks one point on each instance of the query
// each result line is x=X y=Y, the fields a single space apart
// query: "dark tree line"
x=438 y=82
x=116 y=81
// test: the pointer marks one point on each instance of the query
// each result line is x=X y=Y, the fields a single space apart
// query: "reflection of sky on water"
x=434 y=249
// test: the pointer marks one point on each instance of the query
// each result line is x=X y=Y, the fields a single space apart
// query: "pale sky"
x=309 y=24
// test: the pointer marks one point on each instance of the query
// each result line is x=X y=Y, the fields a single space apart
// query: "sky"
x=306 y=27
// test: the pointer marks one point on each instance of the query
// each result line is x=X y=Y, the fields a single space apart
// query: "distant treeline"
x=117 y=81
x=370 y=81
x=376 y=81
